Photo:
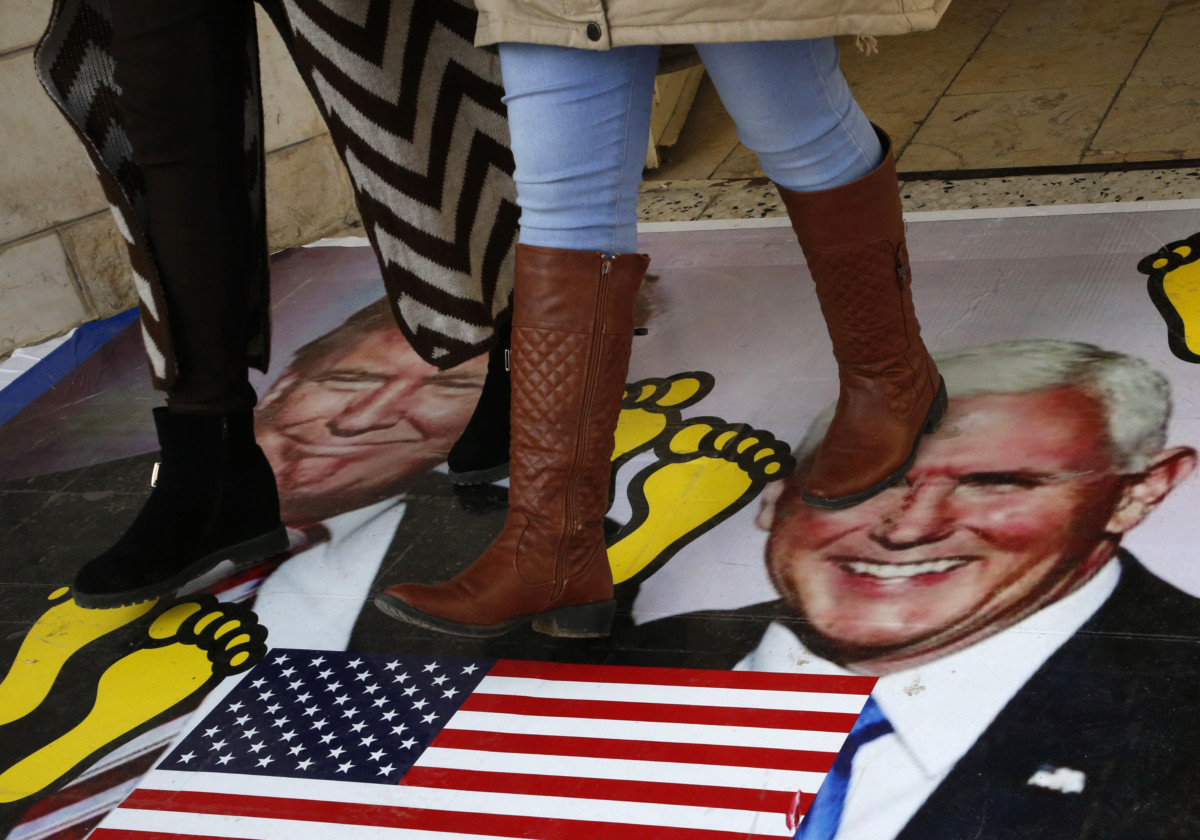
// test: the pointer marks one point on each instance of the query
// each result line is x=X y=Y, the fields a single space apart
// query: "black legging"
x=182 y=69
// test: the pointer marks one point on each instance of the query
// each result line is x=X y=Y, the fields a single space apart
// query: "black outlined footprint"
x=651 y=406
x=58 y=634
x=704 y=472
x=1174 y=287
x=190 y=646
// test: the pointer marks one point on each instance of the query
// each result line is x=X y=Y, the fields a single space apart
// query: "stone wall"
x=62 y=261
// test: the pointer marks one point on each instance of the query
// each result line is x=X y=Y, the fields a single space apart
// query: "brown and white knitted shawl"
x=414 y=110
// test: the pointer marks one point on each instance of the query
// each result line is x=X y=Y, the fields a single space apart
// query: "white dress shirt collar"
x=313 y=599
x=941 y=708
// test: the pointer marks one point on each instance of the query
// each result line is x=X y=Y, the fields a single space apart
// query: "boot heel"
x=585 y=621
x=937 y=411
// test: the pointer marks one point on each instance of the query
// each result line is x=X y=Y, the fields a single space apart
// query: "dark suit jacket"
x=1120 y=701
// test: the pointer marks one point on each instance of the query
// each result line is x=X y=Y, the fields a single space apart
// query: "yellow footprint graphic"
x=57 y=635
x=190 y=647
x=652 y=405
x=705 y=472
x=1174 y=287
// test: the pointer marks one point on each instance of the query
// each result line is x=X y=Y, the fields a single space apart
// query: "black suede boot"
x=214 y=499
x=480 y=455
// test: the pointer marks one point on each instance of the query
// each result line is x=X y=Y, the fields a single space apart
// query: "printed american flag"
x=314 y=745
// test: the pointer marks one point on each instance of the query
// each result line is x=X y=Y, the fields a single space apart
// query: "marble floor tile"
x=1149 y=124
x=1037 y=45
x=900 y=85
x=1175 y=7
x=1005 y=83
x=1156 y=114
x=897 y=88
x=1008 y=129
x=740 y=163
x=1169 y=59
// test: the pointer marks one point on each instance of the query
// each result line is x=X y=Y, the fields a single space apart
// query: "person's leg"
x=588 y=204
x=837 y=178
x=580 y=123
x=793 y=109
x=181 y=68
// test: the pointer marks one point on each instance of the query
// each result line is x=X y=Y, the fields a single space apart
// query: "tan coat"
x=602 y=24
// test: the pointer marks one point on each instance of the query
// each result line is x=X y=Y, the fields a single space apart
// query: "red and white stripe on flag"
x=539 y=750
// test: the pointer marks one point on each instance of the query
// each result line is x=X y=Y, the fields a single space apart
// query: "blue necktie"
x=825 y=814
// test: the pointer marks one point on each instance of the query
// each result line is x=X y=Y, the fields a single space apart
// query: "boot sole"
x=241 y=555
x=485 y=476
x=933 y=419
x=583 y=621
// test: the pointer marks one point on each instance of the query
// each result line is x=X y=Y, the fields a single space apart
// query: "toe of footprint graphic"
x=704 y=472
x=1174 y=286
x=652 y=405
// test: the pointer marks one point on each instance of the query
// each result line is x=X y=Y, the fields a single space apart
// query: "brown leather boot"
x=891 y=393
x=571 y=336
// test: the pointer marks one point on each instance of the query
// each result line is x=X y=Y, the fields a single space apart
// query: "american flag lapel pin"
x=1060 y=779
x=313 y=744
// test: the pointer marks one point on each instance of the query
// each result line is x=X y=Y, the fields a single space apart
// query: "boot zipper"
x=902 y=272
x=588 y=398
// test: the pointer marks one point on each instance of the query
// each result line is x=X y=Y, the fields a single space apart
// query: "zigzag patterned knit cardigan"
x=415 y=113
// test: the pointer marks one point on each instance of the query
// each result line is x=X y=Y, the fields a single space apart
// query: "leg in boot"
x=480 y=455
x=572 y=330
x=792 y=106
x=181 y=67
x=213 y=499
x=890 y=390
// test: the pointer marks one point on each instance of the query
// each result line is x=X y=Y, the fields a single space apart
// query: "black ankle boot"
x=214 y=499
x=480 y=455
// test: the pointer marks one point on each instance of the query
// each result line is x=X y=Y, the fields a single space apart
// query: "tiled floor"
x=1007 y=84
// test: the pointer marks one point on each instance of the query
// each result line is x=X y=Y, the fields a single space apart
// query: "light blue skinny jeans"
x=580 y=122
